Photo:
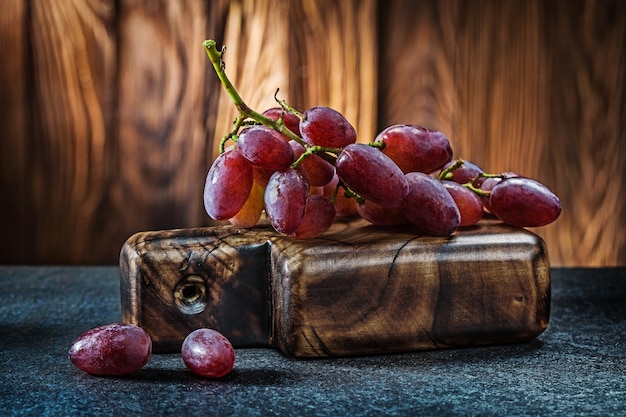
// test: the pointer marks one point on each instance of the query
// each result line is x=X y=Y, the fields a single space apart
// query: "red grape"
x=463 y=174
x=319 y=215
x=326 y=127
x=429 y=206
x=265 y=148
x=487 y=184
x=371 y=174
x=113 y=349
x=285 y=200
x=381 y=216
x=291 y=121
x=469 y=204
x=208 y=353
x=414 y=148
x=524 y=202
x=262 y=176
x=319 y=171
x=228 y=185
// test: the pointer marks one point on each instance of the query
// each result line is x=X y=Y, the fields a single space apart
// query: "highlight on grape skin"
x=208 y=353
x=112 y=349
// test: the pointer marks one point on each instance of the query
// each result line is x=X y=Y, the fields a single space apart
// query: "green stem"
x=245 y=111
x=321 y=151
x=379 y=145
x=447 y=173
x=477 y=191
x=286 y=107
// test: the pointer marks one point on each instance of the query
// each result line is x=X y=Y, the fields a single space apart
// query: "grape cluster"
x=306 y=178
x=304 y=169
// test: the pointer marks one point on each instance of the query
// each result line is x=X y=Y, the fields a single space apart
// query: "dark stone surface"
x=577 y=367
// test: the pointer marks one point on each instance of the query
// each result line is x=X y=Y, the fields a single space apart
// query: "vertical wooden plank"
x=534 y=87
x=315 y=52
x=334 y=59
x=472 y=70
x=585 y=156
x=166 y=113
x=417 y=66
x=502 y=84
x=65 y=171
x=15 y=224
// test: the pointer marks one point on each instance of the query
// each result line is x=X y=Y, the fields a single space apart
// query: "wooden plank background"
x=110 y=110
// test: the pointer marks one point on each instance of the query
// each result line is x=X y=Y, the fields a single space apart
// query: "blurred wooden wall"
x=110 y=110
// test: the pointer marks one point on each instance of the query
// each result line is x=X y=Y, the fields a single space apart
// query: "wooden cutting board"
x=357 y=289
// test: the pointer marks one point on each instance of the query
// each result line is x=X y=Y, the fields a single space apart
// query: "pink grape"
x=285 y=200
x=524 y=202
x=381 y=216
x=414 y=148
x=487 y=184
x=319 y=171
x=208 y=353
x=262 y=176
x=371 y=174
x=463 y=174
x=265 y=148
x=319 y=215
x=429 y=206
x=227 y=185
x=291 y=121
x=326 y=127
x=469 y=204
x=113 y=349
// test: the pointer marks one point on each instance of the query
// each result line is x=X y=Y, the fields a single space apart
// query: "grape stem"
x=245 y=112
x=348 y=193
x=447 y=173
x=477 y=191
x=319 y=150
x=286 y=107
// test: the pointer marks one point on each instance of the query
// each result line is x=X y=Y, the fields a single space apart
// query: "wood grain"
x=333 y=59
x=585 y=158
x=166 y=113
x=355 y=290
x=533 y=87
x=15 y=211
x=68 y=112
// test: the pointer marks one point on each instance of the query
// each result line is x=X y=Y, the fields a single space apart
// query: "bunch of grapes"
x=303 y=169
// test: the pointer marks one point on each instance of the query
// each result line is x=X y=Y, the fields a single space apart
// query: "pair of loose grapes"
x=121 y=349
x=406 y=176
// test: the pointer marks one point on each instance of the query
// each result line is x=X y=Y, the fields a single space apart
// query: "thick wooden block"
x=358 y=289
